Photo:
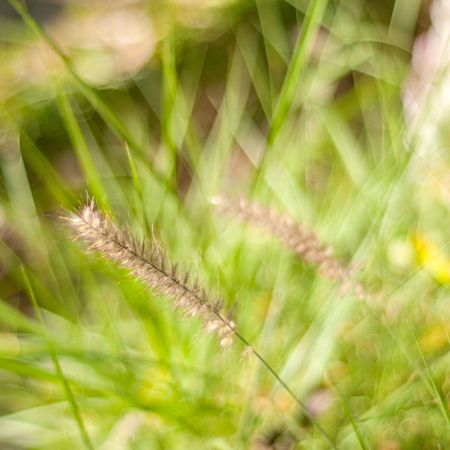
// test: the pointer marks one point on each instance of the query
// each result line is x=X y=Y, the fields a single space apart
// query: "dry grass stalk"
x=296 y=237
x=151 y=266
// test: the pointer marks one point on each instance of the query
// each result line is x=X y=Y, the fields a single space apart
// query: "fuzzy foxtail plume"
x=149 y=265
x=296 y=237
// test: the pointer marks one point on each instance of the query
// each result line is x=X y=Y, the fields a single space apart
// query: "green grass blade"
x=35 y=158
x=433 y=387
x=297 y=64
x=67 y=389
x=81 y=148
x=11 y=317
x=108 y=115
x=351 y=418
x=169 y=108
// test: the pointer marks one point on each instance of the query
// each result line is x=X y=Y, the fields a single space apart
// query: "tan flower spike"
x=151 y=266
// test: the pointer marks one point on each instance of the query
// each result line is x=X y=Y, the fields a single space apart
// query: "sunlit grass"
x=297 y=105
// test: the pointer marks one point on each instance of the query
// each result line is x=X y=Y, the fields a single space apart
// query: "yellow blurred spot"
x=155 y=385
x=435 y=338
x=432 y=258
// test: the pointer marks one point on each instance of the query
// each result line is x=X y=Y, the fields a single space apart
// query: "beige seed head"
x=150 y=265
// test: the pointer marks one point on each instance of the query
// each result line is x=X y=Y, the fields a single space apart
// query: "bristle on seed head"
x=149 y=264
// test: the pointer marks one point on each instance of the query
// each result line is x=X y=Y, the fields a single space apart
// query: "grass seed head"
x=150 y=265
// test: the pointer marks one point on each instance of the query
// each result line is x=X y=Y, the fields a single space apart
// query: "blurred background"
x=333 y=112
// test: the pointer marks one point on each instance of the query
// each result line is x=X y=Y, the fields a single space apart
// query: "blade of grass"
x=80 y=146
x=220 y=141
x=294 y=396
x=170 y=83
x=346 y=145
x=134 y=173
x=25 y=369
x=13 y=318
x=67 y=389
x=433 y=387
x=108 y=115
x=257 y=67
x=297 y=64
x=352 y=420
x=291 y=82
x=52 y=180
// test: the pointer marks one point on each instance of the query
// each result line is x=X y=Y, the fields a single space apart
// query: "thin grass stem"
x=66 y=386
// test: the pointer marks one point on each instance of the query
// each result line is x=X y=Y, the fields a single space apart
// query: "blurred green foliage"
x=153 y=108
